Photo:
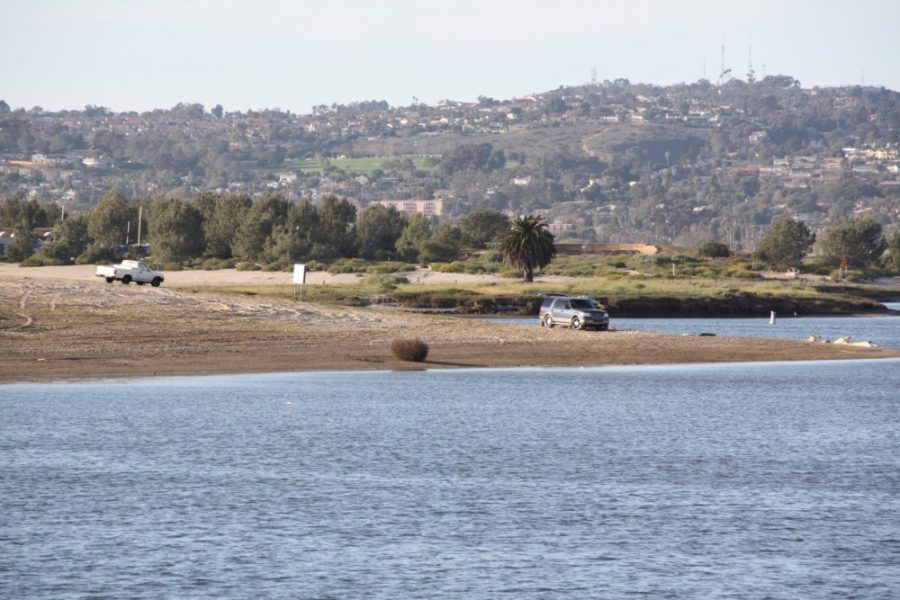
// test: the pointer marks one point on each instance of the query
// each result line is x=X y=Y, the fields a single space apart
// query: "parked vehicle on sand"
x=577 y=313
x=128 y=271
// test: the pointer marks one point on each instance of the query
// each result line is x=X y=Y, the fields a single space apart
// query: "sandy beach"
x=60 y=323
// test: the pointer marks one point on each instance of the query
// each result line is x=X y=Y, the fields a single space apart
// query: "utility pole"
x=140 y=221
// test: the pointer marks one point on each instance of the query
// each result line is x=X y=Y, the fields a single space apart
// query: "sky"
x=144 y=54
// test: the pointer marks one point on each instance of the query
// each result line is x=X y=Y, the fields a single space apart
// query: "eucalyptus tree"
x=222 y=217
x=785 y=244
x=261 y=221
x=377 y=231
x=176 y=230
x=444 y=244
x=413 y=238
x=111 y=220
x=71 y=240
x=337 y=217
x=858 y=240
x=481 y=227
x=894 y=252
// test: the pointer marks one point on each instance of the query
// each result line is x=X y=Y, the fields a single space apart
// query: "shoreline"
x=91 y=379
x=54 y=329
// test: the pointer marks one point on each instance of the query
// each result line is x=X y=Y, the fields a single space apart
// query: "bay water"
x=772 y=480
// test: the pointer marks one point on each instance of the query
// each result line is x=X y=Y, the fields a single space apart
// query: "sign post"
x=299 y=277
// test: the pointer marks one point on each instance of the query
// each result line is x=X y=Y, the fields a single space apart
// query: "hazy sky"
x=144 y=54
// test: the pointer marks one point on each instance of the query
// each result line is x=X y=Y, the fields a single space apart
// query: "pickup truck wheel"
x=577 y=323
x=548 y=321
x=110 y=279
x=156 y=281
x=126 y=280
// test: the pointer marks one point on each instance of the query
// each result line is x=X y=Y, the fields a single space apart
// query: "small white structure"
x=299 y=274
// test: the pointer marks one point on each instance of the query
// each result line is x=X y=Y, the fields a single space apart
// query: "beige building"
x=429 y=208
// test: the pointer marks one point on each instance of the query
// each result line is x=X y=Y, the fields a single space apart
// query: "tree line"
x=272 y=232
x=268 y=232
x=855 y=242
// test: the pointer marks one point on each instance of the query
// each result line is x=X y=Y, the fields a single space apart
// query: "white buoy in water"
x=772 y=318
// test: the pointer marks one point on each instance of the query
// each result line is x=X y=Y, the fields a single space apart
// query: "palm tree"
x=528 y=245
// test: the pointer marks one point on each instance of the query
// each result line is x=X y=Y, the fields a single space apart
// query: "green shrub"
x=41 y=260
x=741 y=272
x=713 y=249
x=214 y=264
x=160 y=265
x=491 y=256
x=96 y=254
x=385 y=282
x=380 y=268
x=452 y=267
x=409 y=350
x=348 y=265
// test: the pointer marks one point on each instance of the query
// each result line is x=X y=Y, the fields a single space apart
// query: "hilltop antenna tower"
x=751 y=74
x=594 y=77
x=724 y=71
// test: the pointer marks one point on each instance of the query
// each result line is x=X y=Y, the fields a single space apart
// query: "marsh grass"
x=612 y=279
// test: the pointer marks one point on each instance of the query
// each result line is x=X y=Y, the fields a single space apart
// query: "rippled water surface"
x=727 y=481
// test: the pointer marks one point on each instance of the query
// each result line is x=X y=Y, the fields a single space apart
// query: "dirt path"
x=66 y=324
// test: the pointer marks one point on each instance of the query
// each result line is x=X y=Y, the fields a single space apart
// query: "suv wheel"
x=576 y=323
x=548 y=320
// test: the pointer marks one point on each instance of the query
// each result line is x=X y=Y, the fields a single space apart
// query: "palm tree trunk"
x=528 y=274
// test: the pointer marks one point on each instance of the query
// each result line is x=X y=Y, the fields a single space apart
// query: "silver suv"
x=578 y=313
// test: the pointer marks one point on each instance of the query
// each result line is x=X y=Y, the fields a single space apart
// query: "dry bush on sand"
x=410 y=350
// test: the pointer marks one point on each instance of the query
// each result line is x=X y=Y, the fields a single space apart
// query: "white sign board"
x=299 y=274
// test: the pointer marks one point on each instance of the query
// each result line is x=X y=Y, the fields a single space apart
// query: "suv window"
x=582 y=304
x=548 y=302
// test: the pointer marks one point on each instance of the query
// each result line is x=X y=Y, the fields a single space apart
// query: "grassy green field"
x=659 y=298
x=360 y=165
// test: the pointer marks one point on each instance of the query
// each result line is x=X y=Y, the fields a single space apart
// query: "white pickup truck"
x=130 y=270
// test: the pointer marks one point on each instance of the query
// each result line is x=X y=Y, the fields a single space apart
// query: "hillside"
x=614 y=161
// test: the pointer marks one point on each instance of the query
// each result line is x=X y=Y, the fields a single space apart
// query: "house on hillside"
x=6 y=239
